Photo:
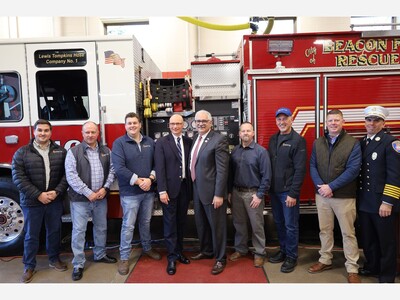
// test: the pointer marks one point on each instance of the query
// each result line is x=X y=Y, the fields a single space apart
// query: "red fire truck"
x=67 y=81
x=312 y=73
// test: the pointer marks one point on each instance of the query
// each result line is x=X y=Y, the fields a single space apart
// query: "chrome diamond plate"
x=216 y=81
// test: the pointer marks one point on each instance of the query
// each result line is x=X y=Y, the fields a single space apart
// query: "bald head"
x=176 y=124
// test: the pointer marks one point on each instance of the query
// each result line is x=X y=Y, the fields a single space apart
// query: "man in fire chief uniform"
x=378 y=196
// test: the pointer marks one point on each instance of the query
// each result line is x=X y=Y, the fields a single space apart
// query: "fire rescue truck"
x=66 y=81
x=312 y=73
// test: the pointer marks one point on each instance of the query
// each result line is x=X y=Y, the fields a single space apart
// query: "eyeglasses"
x=175 y=124
x=202 y=121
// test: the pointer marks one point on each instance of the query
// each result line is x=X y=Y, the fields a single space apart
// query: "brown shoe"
x=319 y=267
x=218 y=267
x=58 y=265
x=258 y=261
x=353 y=278
x=123 y=267
x=153 y=254
x=236 y=256
x=27 y=276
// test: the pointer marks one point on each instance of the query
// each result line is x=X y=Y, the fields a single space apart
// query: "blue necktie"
x=178 y=145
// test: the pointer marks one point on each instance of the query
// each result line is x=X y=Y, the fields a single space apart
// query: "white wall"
x=166 y=40
x=25 y=27
x=170 y=41
x=221 y=42
x=328 y=24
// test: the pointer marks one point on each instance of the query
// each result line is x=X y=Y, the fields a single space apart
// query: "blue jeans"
x=287 y=224
x=140 y=206
x=80 y=213
x=34 y=216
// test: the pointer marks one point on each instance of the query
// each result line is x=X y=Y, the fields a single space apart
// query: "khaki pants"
x=345 y=211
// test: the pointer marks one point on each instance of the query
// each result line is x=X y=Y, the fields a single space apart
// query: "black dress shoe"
x=183 y=259
x=107 y=259
x=289 y=265
x=77 y=274
x=201 y=256
x=171 y=267
x=366 y=272
x=218 y=267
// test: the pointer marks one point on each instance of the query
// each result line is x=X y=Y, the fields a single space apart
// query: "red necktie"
x=193 y=162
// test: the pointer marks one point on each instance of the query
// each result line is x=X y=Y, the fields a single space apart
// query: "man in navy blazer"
x=378 y=196
x=209 y=165
x=171 y=159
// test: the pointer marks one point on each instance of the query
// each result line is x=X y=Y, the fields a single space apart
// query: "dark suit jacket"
x=212 y=167
x=379 y=179
x=167 y=164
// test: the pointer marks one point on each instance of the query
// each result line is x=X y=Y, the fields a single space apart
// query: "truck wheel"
x=11 y=220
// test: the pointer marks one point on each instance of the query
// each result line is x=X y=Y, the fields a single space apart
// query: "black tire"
x=11 y=220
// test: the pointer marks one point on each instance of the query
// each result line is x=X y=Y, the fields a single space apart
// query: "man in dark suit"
x=171 y=159
x=209 y=165
x=378 y=196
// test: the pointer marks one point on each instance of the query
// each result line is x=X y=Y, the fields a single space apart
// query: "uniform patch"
x=396 y=146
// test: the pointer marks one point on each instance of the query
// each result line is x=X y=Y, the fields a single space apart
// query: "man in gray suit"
x=209 y=165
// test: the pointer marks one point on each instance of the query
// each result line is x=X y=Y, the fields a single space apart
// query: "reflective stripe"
x=392 y=191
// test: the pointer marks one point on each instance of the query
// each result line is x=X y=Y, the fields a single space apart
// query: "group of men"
x=180 y=169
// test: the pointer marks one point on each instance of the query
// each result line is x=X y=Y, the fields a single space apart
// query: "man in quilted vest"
x=334 y=166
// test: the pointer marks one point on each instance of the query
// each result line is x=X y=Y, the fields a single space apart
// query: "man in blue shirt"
x=249 y=182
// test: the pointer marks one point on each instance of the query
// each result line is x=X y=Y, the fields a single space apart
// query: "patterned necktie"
x=194 y=158
x=368 y=140
x=178 y=145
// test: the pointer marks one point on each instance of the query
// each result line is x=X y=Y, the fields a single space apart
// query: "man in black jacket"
x=38 y=172
x=288 y=155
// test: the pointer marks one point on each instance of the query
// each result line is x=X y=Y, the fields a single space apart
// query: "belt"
x=243 y=189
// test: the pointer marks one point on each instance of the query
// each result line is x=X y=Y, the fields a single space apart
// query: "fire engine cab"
x=67 y=81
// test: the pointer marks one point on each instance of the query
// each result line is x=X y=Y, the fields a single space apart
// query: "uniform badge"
x=396 y=146
x=377 y=139
x=374 y=155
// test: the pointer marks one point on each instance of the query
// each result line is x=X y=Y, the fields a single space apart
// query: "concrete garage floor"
x=104 y=282
x=12 y=267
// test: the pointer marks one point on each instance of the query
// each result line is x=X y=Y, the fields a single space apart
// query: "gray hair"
x=209 y=117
